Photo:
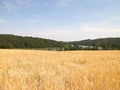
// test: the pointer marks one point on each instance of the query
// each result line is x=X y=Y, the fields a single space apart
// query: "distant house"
x=100 y=48
x=85 y=46
x=72 y=45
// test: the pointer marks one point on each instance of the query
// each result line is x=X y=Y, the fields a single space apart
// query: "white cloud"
x=93 y=0
x=45 y=4
x=2 y=21
x=32 y=21
x=12 y=5
x=24 y=2
x=114 y=17
x=97 y=14
x=69 y=33
x=27 y=3
x=8 y=4
x=63 y=2
x=89 y=28
x=77 y=33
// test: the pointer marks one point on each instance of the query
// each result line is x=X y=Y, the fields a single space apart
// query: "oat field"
x=59 y=70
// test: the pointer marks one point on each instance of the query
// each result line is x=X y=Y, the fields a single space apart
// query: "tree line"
x=13 y=41
x=102 y=43
x=20 y=42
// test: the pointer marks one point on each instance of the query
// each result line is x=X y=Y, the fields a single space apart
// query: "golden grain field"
x=59 y=70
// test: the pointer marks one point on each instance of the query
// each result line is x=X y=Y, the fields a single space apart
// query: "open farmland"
x=59 y=70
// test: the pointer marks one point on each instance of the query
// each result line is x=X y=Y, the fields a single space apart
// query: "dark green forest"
x=8 y=41
x=13 y=41
x=104 y=43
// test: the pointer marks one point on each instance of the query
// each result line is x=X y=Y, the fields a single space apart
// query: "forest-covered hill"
x=105 y=43
x=20 y=42
x=13 y=41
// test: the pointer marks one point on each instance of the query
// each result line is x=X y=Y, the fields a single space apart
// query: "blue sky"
x=63 y=20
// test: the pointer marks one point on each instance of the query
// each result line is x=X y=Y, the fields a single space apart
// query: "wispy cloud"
x=35 y=19
x=63 y=3
x=93 y=0
x=68 y=33
x=32 y=21
x=8 y=4
x=114 y=17
x=45 y=4
x=78 y=32
x=11 y=5
x=24 y=2
x=89 y=28
x=2 y=21
x=97 y=14
x=14 y=4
